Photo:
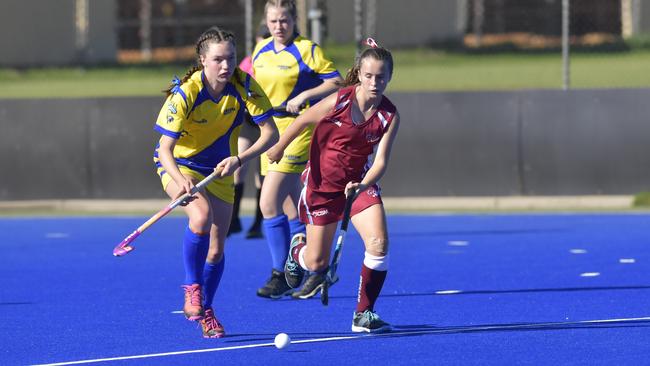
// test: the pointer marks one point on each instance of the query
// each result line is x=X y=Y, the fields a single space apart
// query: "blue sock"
x=276 y=230
x=211 y=279
x=195 y=250
x=296 y=227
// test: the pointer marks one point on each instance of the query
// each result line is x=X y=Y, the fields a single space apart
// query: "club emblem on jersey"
x=372 y=192
x=170 y=119
x=171 y=108
x=372 y=138
x=320 y=212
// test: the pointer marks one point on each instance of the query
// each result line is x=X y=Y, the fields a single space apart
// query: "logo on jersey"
x=320 y=212
x=171 y=107
x=170 y=119
x=229 y=110
x=200 y=121
x=372 y=138
x=372 y=192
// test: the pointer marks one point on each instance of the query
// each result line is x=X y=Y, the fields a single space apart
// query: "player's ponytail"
x=212 y=35
x=374 y=51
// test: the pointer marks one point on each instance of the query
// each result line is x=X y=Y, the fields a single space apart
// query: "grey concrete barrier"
x=450 y=144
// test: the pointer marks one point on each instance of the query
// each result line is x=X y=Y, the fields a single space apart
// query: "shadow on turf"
x=515 y=291
x=427 y=329
x=414 y=330
x=15 y=303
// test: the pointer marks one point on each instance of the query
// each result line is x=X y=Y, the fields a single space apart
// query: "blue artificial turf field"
x=461 y=289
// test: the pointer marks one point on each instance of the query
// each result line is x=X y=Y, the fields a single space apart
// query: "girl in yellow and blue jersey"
x=294 y=73
x=199 y=124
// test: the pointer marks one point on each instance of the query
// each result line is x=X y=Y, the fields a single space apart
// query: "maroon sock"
x=296 y=251
x=370 y=286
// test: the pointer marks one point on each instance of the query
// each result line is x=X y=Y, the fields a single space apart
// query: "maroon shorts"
x=322 y=208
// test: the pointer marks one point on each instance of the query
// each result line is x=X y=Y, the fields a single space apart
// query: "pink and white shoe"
x=193 y=308
x=211 y=326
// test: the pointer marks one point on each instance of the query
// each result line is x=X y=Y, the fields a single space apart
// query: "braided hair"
x=376 y=52
x=211 y=35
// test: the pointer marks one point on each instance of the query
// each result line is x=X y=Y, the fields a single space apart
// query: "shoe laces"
x=292 y=265
x=314 y=280
x=371 y=316
x=194 y=293
x=210 y=320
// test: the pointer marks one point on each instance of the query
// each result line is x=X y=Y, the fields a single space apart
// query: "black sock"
x=239 y=191
x=258 y=212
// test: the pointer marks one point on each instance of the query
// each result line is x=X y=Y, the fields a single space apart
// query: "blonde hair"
x=289 y=5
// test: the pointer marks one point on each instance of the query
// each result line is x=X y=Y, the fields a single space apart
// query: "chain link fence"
x=165 y=30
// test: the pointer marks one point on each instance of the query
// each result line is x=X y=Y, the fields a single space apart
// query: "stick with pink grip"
x=125 y=246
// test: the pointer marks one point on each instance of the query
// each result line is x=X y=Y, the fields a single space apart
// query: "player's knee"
x=377 y=246
x=316 y=264
x=214 y=255
x=376 y=262
x=268 y=207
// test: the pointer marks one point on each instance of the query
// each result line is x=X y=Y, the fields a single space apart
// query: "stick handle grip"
x=199 y=186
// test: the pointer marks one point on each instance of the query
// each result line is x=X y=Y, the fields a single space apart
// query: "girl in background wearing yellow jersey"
x=199 y=123
x=295 y=74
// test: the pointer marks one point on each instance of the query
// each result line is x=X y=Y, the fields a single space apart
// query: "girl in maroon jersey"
x=350 y=147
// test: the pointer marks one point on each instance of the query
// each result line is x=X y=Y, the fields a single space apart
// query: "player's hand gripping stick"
x=126 y=246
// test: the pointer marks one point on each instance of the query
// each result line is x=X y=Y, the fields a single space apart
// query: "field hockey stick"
x=284 y=112
x=126 y=246
x=331 y=271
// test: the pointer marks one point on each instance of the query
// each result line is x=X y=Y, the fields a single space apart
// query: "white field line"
x=343 y=338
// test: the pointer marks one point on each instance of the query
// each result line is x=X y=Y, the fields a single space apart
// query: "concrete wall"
x=579 y=142
x=42 y=33
x=400 y=23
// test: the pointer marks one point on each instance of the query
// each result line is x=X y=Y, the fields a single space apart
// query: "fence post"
x=566 y=84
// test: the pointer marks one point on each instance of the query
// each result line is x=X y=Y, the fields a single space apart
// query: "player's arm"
x=325 y=88
x=311 y=116
x=268 y=137
x=166 y=158
x=380 y=162
x=324 y=69
x=261 y=112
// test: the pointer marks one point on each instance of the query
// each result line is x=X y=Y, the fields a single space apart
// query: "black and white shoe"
x=276 y=287
x=312 y=286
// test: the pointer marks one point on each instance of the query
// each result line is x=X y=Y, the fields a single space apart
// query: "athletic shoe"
x=211 y=326
x=193 y=308
x=276 y=287
x=292 y=270
x=369 y=321
x=312 y=286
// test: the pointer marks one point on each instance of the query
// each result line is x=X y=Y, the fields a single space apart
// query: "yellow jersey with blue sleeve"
x=207 y=128
x=284 y=74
